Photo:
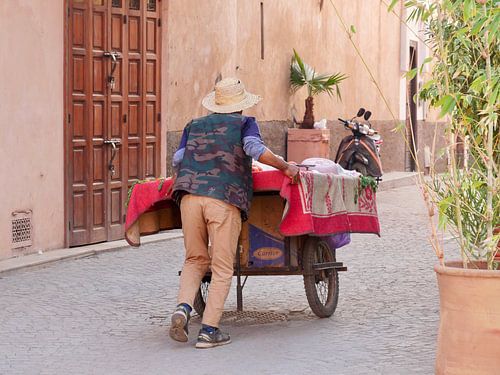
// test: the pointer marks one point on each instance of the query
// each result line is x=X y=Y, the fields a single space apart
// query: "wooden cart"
x=262 y=249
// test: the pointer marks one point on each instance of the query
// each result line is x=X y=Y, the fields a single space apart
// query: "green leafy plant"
x=464 y=37
x=302 y=74
x=364 y=183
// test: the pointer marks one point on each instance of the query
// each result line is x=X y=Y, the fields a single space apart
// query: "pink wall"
x=31 y=120
x=198 y=44
x=226 y=39
x=200 y=40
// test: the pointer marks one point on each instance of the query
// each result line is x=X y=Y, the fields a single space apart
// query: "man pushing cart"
x=288 y=231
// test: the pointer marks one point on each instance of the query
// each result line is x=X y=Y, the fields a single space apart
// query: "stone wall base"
x=393 y=150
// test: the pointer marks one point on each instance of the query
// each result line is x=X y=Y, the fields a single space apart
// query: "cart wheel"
x=202 y=295
x=361 y=168
x=322 y=286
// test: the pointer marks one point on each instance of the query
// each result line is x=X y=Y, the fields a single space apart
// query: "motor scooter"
x=361 y=150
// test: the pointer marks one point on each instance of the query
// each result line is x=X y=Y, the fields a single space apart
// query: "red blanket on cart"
x=319 y=204
x=325 y=203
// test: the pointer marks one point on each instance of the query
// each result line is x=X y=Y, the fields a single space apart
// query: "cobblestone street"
x=109 y=314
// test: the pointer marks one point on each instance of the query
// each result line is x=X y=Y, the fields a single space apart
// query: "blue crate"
x=265 y=250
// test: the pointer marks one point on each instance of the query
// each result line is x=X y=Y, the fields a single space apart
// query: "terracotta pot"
x=469 y=329
x=308 y=143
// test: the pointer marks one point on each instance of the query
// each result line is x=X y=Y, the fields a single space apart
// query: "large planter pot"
x=469 y=329
x=308 y=143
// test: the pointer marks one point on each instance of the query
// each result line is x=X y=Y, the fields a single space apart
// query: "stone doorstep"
x=391 y=180
x=42 y=258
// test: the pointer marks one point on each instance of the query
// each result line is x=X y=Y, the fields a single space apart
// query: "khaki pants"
x=205 y=218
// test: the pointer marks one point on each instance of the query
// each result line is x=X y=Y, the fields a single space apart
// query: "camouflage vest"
x=214 y=163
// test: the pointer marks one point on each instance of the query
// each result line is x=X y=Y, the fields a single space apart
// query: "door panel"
x=77 y=154
x=99 y=111
x=151 y=80
x=97 y=184
x=116 y=125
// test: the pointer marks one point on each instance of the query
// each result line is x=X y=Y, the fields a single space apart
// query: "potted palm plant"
x=307 y=142
x=302 y=74
x=464 y=37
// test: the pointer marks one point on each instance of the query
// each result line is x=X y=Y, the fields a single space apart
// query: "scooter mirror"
x=360 y=112
x=367 y=115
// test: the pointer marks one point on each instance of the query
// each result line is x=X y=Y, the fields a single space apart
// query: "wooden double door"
x=112 y=125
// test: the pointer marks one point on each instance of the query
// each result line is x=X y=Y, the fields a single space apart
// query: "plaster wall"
x=198 y=47
x=31 y=118
x=431 y=134
x=326 y=48
x=201 y=42
x=225 y=38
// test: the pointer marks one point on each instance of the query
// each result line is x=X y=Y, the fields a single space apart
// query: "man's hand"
x=291 y=170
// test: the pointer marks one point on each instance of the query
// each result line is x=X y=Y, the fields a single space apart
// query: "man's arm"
x=255 y=148
x=269 y=158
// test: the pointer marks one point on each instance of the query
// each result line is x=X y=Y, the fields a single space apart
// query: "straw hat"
x=229 y=96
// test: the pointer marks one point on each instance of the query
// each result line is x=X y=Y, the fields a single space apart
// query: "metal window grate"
x=152 y=5
x=134 y=4
x=21 y=229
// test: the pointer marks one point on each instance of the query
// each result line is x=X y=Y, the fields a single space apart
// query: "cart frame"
x=314 y=272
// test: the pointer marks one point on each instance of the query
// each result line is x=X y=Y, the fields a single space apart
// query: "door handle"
x=113 y=142
x=114 y=57
x=113 y=54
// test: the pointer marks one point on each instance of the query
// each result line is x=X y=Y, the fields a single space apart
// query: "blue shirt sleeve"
x=179 y=154
x=253 y=147
x=184 y=138
x=252 y=141
x=250 y=128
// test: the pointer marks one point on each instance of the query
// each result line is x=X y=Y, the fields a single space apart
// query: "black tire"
x=360 y=167
x=322 y=287
x=200 y=299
